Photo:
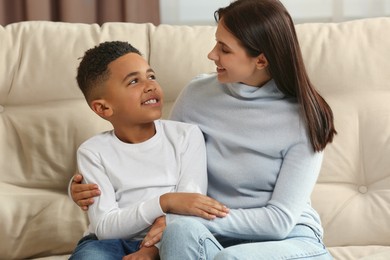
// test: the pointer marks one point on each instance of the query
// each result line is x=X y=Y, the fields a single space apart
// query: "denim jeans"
x=189 y=239
x=89 y=247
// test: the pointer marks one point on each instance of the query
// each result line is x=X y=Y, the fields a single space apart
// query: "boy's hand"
x=145 y=253
x=82 y=194
x=194 y=204
x=155 y=233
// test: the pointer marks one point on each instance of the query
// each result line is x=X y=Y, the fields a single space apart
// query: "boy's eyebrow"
x=132 y=74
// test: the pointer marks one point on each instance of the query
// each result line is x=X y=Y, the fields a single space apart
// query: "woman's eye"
x=153 y=77
x=223 y=48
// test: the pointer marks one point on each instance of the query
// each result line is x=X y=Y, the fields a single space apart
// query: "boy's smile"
x=132 y=96
x=150 y=101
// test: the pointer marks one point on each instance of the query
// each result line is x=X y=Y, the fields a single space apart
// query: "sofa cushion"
x=35 y=220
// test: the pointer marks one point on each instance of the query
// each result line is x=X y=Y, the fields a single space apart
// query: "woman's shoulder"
x=204 y=79
x=200 y=86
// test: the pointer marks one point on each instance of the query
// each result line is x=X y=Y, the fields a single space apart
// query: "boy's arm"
x=107 y=219
x=193 y=165
x=189 y=197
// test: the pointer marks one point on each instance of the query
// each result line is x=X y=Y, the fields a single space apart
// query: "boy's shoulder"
x=100 y=139
x=181 y=133
x=177 y=127
x=177 y=124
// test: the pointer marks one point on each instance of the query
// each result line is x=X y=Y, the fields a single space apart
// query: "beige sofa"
x=43 y=119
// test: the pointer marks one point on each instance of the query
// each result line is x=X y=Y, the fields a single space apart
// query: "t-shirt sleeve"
x=107 y=219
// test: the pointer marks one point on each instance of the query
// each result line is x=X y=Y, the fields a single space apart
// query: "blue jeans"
x=89 y=247
x=187 y=238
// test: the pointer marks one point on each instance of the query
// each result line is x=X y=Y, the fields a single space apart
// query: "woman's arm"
x=82 y=194
x=289 y=200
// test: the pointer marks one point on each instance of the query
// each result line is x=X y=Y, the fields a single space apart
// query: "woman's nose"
x=212 y=55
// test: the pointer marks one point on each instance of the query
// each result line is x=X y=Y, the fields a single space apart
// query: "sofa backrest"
x=44 y=117
x=348 y=63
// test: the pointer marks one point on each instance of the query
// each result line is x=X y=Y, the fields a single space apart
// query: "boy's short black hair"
x=93 y=68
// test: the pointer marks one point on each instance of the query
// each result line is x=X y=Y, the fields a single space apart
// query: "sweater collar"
x=242 y=91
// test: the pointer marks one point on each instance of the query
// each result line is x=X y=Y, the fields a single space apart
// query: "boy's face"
x=132 y=91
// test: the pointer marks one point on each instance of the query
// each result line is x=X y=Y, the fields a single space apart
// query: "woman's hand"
x=155 y=233
x=145 y=253
x=82 y=194
x=194 y=204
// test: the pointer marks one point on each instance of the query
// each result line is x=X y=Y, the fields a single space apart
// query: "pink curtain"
x=80 y=11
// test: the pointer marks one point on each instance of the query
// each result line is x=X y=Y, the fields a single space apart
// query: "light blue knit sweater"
x=260 y=161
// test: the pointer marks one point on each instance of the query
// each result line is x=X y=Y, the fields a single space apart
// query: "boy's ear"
x=102 y=108
x=262 y=61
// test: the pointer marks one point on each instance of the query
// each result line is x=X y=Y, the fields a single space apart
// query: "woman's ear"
x=261 y=62
x=102 y=108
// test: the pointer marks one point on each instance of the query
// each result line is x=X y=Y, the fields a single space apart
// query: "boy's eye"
x=153 y=77
x=134 y=81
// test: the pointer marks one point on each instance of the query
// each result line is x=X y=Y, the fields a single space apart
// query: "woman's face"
x=233 y=63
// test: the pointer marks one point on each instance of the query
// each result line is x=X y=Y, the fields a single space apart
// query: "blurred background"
x=182 y=12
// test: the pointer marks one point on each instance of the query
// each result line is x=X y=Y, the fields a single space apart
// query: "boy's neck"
x=135 y=134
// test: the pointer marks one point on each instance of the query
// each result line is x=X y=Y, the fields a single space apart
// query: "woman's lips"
x=220 y=69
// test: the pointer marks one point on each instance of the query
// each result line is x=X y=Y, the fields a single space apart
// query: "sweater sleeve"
x=107 y=220
x=291 y=194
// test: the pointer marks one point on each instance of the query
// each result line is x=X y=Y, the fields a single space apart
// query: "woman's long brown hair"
x=265 y=26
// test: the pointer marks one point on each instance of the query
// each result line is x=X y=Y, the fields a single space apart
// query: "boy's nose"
x=149 y=88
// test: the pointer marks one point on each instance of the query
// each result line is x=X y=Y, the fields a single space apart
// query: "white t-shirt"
x=132 y=177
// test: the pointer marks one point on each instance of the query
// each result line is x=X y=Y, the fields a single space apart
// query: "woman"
x=265 y=128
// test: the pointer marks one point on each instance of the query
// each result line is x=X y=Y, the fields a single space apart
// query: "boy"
x=142 y=163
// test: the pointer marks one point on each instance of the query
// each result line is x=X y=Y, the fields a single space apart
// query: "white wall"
x=190 y=11
x=201 y=11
